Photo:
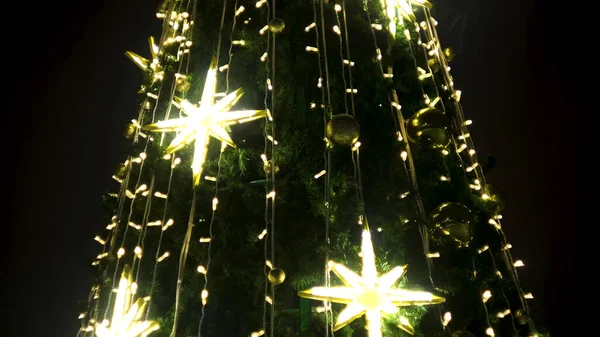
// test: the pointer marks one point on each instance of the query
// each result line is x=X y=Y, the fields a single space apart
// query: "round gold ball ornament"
x=342 y=130
x=454 y=222
x=182 y=84
x=276 y=276
x=276 y=25
x=429 y=127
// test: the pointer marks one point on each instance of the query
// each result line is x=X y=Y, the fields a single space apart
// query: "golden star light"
x=206 y=120
x=126 y=317
x=146 y=64
x=396 y=10
x=368 y=294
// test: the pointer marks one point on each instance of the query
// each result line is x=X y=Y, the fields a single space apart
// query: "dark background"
x=71 y=91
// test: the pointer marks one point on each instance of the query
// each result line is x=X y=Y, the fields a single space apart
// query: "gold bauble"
x=429 y=127
x=182 y=84
x=276 y=25
x=276 y=276
x=342 y=130
x=452 y=221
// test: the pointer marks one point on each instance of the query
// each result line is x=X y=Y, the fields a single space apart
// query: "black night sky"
x=75 y=91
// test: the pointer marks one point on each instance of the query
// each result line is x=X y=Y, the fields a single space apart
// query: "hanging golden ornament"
x=342 y=130
x=182 y=84
x=276 y=25
x=429 y=127
x=276 y=276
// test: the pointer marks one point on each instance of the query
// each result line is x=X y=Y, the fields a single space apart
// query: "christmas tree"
x=302 y=168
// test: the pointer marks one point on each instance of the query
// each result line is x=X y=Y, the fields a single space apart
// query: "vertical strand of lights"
x=186 y=241
x=327 y=164
x=124 y=193
x=271 y=167
x=406 y=154
x=206 y=269
x=461 y=123
x=114 y=227
x=165 y=224
x=347 y=62
x=327 y=116
x=139 y=248
x=184 y=38
x=138 y=189
x=273 y=11
x=231 y=43
x=174 y=19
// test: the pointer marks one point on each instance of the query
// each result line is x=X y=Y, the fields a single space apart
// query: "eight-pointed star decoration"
x=126 y=317
x=368 y=294
x=207 y=119
x=401 y=8
x=142 y=62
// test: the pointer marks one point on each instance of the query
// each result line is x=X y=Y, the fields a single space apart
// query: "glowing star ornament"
x=397 y=10
x=143 y=63
x=207 y=119
x=368 y=294
x=126 y=317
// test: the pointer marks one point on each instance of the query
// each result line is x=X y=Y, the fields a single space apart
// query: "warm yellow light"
x=369 y=294
x=399 y=10
x=126 y=316
x=519 y=263
x=486 y=295
x=204 y=296
x=447 y=318
x=205 y=121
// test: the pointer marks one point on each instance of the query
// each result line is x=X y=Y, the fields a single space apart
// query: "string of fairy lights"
x=428 y=75
x=478 y=183
x=177 y=21
x=327 y=149
x=428 y=26
x=204 y=269
x=271 y=28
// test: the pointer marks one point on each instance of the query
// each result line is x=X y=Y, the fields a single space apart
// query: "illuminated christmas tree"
x=280 y=143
